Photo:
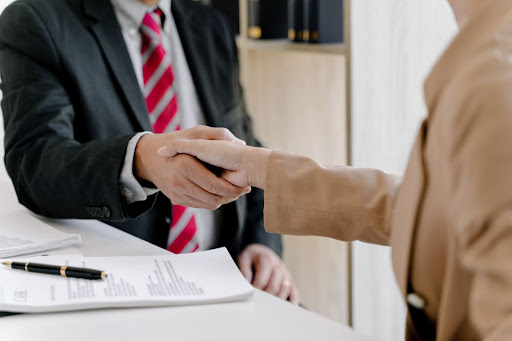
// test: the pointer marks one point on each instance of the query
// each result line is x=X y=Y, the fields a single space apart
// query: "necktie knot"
x=151 y=25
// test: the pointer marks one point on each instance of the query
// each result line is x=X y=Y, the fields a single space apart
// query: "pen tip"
x=7 y=263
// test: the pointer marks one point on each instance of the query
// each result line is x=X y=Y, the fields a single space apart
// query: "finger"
x=245 y=265
x=210 y=133
x=203 y=198
x=205 y=149
x=205 y=179
x=185 y=189
x=188 y=201
x=285 y=290
x=262 y=274
x=217 y=153
x=294 y=296
x=237 y=178
x=167 y=152
x=275 y=282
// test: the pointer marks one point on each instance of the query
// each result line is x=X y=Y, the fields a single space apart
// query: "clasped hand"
x=181 y=177
x=242 y=165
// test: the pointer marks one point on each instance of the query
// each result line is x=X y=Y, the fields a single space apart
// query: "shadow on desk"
x=6 y=313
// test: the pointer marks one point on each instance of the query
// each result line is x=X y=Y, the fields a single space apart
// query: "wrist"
x=257 y=167
x=139 y=169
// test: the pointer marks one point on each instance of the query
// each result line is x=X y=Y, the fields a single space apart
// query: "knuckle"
x=214 y=203
x=258 y=283
x=211 y=186
x=225 y=133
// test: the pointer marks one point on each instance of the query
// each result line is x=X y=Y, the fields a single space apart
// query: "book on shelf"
x=144 y=281
x=295 y=20
x=267 y=19
x=21 y=233
x=323 y=21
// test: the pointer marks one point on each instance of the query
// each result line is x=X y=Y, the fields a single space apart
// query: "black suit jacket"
x=72 y=102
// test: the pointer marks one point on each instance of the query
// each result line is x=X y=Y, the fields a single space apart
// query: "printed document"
x=193 y=278
x=21 y=234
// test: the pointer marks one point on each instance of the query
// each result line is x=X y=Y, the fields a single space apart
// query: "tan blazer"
x=449 y=222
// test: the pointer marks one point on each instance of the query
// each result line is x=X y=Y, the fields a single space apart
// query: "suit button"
x=168 y=220
x=105 y=212
x=98 y=212
x=127 y=193
x=91 y=211
x=416 y=301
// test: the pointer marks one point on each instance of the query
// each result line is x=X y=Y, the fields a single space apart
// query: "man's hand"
x=182 y=178
x=265 y=270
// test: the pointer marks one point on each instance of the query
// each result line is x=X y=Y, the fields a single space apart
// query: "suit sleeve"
x=53 y=174
x=303 y=197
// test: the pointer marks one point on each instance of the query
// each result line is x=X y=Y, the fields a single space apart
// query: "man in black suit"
x=75 y=116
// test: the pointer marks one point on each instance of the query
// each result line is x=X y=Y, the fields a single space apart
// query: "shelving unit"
x=297 y=95
x=285 y=45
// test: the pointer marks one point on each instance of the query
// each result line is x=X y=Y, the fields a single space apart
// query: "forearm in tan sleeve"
x=303 y=197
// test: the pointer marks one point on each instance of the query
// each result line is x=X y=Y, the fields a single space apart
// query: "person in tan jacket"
x=449 y=219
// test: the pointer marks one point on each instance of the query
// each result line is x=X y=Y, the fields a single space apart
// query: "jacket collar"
x=189 y=18
x=103 y=24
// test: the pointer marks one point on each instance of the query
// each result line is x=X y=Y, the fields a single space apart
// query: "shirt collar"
x=130 y=13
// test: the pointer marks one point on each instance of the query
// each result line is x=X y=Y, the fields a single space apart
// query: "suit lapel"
x=195 y=45
x=104 y=26
x=407 y=212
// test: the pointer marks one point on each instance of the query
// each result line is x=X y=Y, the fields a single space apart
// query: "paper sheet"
x=202 y=277
x=21 y=233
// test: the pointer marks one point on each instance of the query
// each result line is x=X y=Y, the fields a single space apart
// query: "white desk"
x=263 y=317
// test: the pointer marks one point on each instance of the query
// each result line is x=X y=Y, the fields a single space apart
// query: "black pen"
x=64 y=271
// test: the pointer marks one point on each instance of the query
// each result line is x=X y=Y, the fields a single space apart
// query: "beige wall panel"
x=297 y=103
x=394 y=44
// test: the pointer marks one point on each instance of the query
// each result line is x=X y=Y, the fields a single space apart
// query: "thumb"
x=166 y=151
x=182 y=146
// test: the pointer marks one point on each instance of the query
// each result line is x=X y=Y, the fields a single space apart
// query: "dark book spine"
x=295 y=20
x=323 y=21
x=330 y=21
x=254 y=28
x=310 y=15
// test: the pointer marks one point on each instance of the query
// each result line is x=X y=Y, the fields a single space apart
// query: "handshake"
x=175 y=163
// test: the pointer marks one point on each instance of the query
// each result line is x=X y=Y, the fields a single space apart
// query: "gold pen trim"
x=63 y=270
x=26 y=266
x=103 y=275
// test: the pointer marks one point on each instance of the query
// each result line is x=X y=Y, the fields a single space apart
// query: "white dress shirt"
x=130 y=14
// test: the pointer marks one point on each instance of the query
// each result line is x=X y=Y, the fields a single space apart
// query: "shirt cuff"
x=131 y=189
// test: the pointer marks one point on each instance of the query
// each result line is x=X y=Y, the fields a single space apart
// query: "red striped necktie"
x=162 y=104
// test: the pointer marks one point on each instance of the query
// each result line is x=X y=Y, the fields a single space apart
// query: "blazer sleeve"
x=303 y=197
x=53 y=174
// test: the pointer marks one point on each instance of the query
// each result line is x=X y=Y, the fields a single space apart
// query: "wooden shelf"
x=285 y=45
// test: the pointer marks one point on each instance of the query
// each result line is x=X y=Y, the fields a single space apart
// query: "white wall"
x=4 y=3
x=394 y=44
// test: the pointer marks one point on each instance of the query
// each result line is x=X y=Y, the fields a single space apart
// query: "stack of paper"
x=21 y=233
x=194 y=278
